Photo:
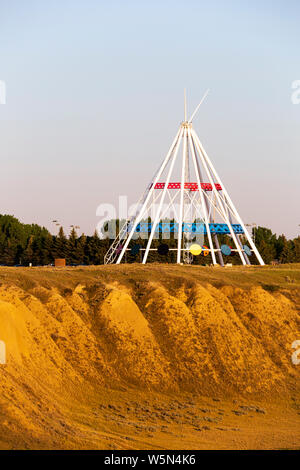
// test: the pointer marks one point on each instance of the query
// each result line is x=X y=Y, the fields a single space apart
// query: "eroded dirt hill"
x=89 y=349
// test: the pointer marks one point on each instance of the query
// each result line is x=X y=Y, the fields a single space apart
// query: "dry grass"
x=156 y=356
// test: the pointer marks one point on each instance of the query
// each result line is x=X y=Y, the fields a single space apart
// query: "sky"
x=94 y=98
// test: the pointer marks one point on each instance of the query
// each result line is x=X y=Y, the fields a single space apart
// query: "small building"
x=60 y=262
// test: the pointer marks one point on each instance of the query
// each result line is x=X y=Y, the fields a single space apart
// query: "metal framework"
x=203 y=198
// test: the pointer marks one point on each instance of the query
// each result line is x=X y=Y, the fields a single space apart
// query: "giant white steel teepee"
x=188 y=184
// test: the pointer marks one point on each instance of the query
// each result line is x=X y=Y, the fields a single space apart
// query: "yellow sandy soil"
x=149 y=357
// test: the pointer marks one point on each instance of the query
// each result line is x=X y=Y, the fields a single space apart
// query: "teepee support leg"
x=182 y=189
x=245 y=255
x=210 y=218
x=142 y=211
x=235 y=212
x=198 y=146
x=216 y=240
x=238 y=237
x=203 y=203
x=162 y=198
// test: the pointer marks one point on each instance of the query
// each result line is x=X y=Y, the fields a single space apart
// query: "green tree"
x=60 y=245
x=287 y=254
x=265 y=241
x=297 y=249
x=71 y=253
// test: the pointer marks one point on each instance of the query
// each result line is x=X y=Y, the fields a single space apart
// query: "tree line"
x=22 y=244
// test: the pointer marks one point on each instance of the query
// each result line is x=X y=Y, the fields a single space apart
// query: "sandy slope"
x=149 y=357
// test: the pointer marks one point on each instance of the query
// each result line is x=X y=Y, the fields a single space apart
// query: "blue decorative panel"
x=172 y=227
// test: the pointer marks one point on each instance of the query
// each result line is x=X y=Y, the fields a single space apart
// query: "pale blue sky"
x=95 y=96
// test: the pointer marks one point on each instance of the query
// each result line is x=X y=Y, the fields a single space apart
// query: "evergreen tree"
x=297 y=249
x=60 y=245
x=71 y=254
x=46 y=256
x=287 y=254
x=265 y=242
x=28 y=252
x=80 y=250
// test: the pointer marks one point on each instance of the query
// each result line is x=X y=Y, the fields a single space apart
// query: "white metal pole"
x=209 y=210
x=194 y=113
x=162 y=197
x=237 y=216
x=181 y=196
x=198 y=145
x=203 y=204
x=171 y=204
x=141 y=213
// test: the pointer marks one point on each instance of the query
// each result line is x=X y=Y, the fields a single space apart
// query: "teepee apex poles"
x=196 y=110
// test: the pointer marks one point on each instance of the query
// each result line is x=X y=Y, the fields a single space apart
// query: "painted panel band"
x=197 y=228
x=190 y=186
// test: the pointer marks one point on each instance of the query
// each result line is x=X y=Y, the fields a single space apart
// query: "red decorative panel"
x=174 y=186
x=206 y=186
x=190 y=186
